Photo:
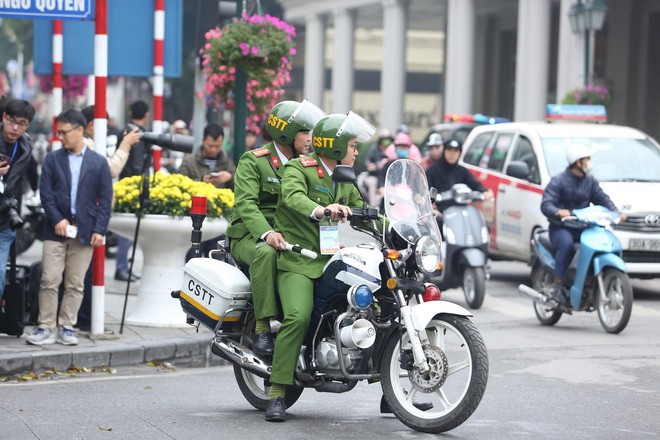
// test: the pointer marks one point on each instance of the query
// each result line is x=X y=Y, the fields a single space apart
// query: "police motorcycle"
x=374 y=318
x=466 y=238
x=597 y=272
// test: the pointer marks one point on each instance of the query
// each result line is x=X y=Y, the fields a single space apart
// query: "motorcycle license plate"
x=644 y=244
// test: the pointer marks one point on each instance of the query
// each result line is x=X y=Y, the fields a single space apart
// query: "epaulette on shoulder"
x=260 y=152
x=308 y=162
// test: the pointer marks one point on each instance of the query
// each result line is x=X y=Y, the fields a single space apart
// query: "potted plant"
x=164 y=238
x=588 y=95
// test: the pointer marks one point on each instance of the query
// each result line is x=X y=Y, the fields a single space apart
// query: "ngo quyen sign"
x=48 y=9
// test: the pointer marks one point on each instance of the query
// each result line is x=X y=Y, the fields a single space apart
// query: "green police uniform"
x=306 y=185
x=257 y=190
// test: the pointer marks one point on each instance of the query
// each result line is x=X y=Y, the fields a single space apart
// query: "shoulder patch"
x=308 y=161
x=260 y=152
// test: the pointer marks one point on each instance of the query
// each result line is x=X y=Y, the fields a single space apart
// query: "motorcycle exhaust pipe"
x=531 y=293
x=241 y=356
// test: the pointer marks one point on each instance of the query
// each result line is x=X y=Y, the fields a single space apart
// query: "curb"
x=114 y=354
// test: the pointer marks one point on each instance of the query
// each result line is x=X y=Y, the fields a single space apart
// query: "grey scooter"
x=466 y=238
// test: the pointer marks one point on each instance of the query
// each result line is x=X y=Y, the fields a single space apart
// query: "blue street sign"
x=48 y=9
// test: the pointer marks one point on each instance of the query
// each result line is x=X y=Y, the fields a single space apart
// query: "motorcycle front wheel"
x=254 y=388
x=474 y=286
x=542 y=279
x=615 y=305
x=454 y=385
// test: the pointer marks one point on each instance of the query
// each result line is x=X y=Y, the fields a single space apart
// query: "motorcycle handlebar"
x=302 y=251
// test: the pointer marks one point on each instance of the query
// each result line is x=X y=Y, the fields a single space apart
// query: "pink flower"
x=254 y=50
x=293 y=51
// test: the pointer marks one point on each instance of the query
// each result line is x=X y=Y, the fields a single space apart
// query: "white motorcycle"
x=374 y=318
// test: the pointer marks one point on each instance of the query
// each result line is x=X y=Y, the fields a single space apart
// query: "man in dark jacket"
x=574 y=188
x=76 y=194
x=446 y=172
x=15 y=153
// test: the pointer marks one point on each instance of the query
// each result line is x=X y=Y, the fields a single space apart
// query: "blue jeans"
x=562 y=240
x=123 y=246
x=7 y=237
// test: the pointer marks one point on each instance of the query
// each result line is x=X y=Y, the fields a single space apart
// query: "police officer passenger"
x=307 y=191
x=257 y=189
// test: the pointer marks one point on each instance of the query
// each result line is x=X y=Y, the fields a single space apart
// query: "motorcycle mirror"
x=344 y=174
x=433 y=193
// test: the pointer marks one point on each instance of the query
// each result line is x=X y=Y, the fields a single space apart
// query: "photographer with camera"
x=15 y=153
x=210 y=163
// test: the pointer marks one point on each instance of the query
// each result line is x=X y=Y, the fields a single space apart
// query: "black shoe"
x=263 y=343
x=558 y=295
x=385 y=407
x=122 y=275
x=276 y=410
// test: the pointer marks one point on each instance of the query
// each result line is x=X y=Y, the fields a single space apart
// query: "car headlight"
x=485 y=238
x=427 y=254
x=360 y=296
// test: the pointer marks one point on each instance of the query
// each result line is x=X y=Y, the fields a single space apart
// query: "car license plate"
x=644 y=244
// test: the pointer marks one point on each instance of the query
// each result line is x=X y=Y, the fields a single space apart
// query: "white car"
x=516 y=162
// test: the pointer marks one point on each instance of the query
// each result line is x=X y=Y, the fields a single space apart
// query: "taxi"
x=517 y=160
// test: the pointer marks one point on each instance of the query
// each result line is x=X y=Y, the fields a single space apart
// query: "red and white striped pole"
x=159 y=63
x=100 y=146
x=56 y=99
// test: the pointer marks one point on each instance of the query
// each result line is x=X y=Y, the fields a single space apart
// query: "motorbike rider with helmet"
x=433 y=150
x=446 y=172
x=257 y=187
x=307 y=192
x=574 y=188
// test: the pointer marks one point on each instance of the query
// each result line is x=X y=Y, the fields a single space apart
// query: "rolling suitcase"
x=12 y=304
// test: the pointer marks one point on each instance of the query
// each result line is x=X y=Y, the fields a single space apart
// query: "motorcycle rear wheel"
x=614 y=312
x=254 y=388
x=542 y=279
x=474 y=286
x=454 y=385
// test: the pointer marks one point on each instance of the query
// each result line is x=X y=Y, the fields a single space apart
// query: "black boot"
x=276 y=410
x=263 y=343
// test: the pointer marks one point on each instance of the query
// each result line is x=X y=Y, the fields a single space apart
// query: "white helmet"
x=579 y=151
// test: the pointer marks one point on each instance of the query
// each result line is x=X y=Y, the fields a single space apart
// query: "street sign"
x=48 y=9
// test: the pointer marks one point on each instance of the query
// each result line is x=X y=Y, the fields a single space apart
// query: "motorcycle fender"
x=473 y=257
x=603 y=261
x=423 y=313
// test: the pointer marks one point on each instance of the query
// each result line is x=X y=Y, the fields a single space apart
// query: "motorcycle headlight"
x=485 y=238
x=360 y=296
x=427 y=254
x=449 y=235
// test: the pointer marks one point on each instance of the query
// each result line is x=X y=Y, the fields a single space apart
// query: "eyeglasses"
x=61 y=133
x=20 y=124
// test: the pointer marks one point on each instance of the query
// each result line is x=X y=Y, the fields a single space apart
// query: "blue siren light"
x=360 y=296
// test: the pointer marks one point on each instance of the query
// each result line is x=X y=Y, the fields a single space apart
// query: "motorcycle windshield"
x=408 y=202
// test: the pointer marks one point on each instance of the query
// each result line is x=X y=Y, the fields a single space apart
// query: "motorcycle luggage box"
x=210 y=287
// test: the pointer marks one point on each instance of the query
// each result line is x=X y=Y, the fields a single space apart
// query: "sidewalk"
x=136 y=345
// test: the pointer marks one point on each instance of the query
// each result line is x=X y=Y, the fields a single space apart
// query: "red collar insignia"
x=275 y=160
x=319 y=171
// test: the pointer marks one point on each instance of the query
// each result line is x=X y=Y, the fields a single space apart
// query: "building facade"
x=410 y=61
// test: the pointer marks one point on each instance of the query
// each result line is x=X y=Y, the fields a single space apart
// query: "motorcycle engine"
x=327 y=358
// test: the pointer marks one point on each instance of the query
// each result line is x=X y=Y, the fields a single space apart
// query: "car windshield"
x=616 y=160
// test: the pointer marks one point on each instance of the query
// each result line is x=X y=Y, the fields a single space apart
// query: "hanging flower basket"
x=588 y=95
x=262 y=46
x=73 y=86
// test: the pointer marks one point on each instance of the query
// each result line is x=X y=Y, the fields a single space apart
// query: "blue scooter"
x=597 y=272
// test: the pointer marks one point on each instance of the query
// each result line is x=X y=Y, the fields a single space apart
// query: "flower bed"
x=171 y=195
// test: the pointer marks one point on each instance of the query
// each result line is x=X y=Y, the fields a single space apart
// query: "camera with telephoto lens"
x=176 y=142
x=9 y=207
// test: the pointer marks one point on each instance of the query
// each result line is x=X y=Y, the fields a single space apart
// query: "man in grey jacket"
x=210 y=163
